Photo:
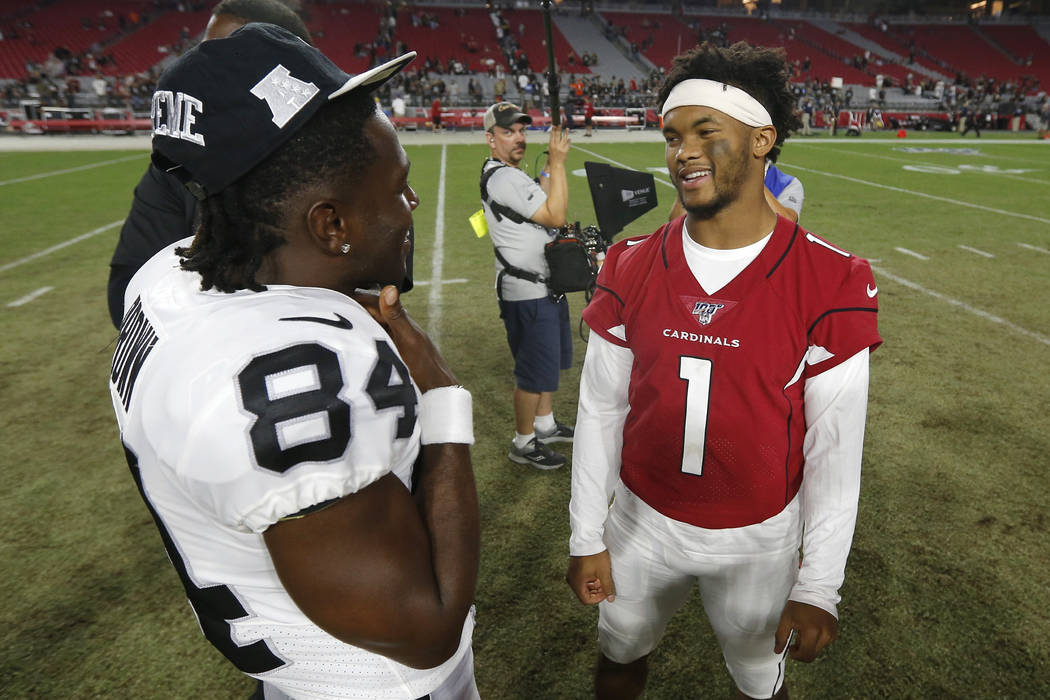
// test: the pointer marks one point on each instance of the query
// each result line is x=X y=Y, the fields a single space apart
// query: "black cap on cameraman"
x=504 y=114
x=227 y=104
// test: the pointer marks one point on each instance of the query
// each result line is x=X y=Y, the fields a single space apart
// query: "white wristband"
x=446 y=414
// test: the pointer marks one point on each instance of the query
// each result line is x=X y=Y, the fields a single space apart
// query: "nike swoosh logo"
x=872 y=291
x=634 y=242
x=338 y=322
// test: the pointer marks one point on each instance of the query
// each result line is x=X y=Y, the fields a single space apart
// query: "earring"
x=345 y=248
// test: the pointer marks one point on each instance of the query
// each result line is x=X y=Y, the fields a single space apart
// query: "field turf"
x=948 y=586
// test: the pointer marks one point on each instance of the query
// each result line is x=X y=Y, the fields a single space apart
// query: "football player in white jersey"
x=301 y=444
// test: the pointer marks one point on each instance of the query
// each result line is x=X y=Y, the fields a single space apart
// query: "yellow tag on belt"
x=478 y=223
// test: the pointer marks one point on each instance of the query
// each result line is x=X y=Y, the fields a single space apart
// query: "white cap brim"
x=375 y=76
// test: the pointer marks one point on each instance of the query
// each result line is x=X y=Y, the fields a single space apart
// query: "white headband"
x=725 y=98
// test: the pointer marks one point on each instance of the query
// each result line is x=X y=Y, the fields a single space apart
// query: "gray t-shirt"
x=521 y=245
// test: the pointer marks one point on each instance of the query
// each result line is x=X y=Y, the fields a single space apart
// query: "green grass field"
x=948 y=586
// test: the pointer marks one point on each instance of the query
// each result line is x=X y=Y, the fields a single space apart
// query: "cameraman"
x=519 y=212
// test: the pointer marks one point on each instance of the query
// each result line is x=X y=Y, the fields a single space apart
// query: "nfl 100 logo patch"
x=705 y=310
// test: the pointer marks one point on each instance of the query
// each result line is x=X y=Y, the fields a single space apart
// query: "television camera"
x=575 y=254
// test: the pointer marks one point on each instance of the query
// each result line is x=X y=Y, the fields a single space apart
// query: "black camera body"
x=574 y=256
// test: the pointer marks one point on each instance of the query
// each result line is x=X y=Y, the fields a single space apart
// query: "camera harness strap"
x=500 y=211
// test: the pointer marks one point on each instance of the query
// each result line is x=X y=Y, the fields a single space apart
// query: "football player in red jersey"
x=722 y=400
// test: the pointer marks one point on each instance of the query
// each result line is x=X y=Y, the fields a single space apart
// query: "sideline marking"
x=1035 y=248
x=437 y=259
x=853 y=179
x=29 y=297
x=455 y=280
x=77 y=169
x=912 y=253
x=620 y=165
x=60 y=246
x=964 y=306
x=910 y=161
x=919 y=194
x=974 y=250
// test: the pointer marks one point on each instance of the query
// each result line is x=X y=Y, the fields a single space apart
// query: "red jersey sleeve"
x=849 y=323
x=604 y=314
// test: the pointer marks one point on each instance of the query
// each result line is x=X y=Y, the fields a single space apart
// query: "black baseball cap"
x=504 y=114
x=227 y=104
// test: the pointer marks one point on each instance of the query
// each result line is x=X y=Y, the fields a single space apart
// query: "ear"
x=328 y=226
x=763 y=138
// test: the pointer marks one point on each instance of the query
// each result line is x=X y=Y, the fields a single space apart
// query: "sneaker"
x=561 y=433
x=537 y=454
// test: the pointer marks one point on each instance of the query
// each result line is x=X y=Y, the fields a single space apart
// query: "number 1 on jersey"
x=696 y=371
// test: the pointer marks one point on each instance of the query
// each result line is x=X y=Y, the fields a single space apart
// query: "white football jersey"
x=237 y=410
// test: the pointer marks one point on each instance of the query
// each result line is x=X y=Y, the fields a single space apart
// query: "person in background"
x=520 y=213
x=807 y=116
x=435 y=115
x=973 y=118
x=301 y=444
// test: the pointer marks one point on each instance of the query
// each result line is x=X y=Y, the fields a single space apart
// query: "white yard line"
x=912 y=253
x=1039 y=337
x=30 y=297
x=454 y=280
x=60 y=246
x=912 y=161
x=89 y=166
x=857 y=180
x=618 y=164
x=976 y=251
x=920 y=194
x=1035 y=248
x=437 y=260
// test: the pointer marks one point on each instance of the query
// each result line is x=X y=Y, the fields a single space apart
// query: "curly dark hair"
x=760 y=71
x=271 y=11
x=243 y=223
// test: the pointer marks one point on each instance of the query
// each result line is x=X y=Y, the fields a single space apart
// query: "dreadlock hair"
x=761 y=72
x=243 y=223
x=270 y=11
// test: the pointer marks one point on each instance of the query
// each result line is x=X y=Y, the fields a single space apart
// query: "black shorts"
x=540 y=340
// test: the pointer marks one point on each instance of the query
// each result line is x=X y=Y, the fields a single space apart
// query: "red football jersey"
x=714 y=434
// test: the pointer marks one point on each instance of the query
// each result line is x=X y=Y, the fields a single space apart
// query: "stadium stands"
x=1025 y=45
x=533 y=42
x=110 y=37
x=889 y=41
x=338 y=29
x=665 y=34
x=152 y=43
x=466 y=35
x=961 y=49
x=35 y=33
